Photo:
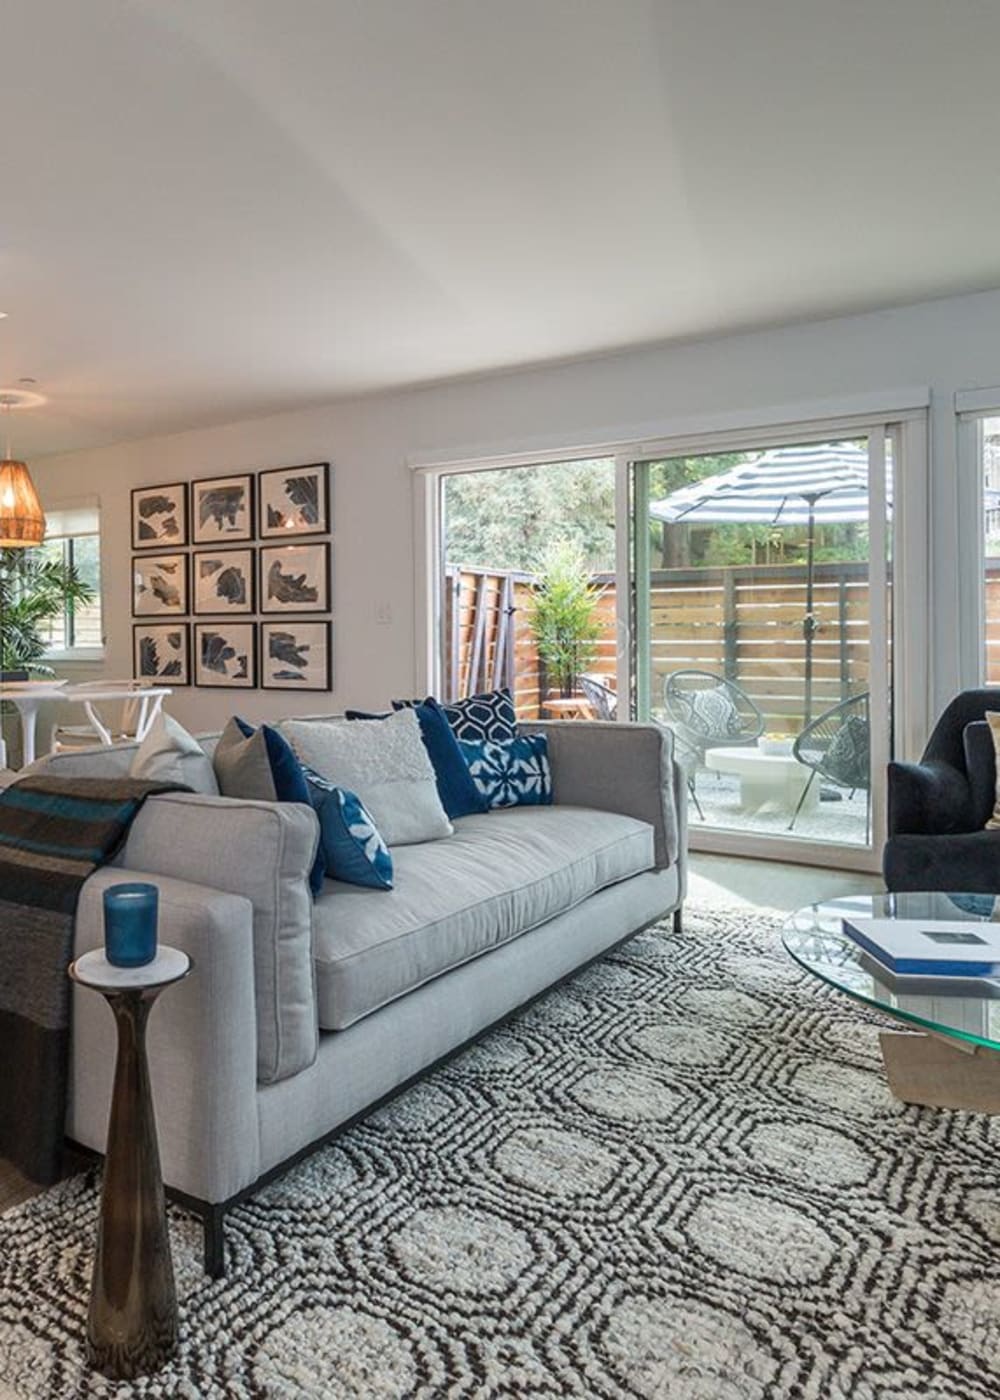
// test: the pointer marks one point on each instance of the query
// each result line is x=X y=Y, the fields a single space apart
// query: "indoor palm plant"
x=34 y=588
x=563 y=615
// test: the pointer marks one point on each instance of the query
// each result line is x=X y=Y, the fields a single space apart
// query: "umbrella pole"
x=809 y=621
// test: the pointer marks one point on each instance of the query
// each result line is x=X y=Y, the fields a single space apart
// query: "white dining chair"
x=111 y=719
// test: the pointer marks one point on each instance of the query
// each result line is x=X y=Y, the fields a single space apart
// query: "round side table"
x=132 y=1322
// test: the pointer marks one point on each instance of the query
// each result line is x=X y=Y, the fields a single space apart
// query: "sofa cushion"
x=514 y=773
x=170 y=754
x=487 y=717
x=501 y=874
x=385 y=763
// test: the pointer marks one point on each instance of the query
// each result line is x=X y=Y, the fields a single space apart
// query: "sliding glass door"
x=760 y=635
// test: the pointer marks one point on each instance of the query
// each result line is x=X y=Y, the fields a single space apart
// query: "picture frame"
x=161 y=652
x=295 y=578
x=223 y=582
x=294 y=501
x=222 y=509
x=225 y=655
x=159 y=585
x=296 y=654
x=160 y=516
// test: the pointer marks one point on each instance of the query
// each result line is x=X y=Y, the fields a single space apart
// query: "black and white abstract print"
x=295 y=578
x=225 y=655
x=159 y=585
x=223 y=581
x=295 y=655
x=161 y=652
x=222 y=509
x=294 y=501
x=159 y=516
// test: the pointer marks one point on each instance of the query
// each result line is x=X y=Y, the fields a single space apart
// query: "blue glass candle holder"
x=130 y=916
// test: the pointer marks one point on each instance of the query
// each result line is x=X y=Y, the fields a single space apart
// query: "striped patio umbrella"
x=821 y=484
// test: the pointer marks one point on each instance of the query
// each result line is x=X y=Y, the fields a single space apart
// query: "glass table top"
x=965 y=1008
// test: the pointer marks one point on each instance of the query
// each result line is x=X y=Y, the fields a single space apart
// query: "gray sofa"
x=302 y=1015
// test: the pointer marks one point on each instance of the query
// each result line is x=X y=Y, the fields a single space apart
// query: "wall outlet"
x=383 y=614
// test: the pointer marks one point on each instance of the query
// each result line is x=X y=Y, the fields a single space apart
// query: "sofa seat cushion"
x=501 y=874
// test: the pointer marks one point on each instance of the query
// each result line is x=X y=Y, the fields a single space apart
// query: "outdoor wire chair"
x=705 y=711
x=836 y=746
x=600 y=697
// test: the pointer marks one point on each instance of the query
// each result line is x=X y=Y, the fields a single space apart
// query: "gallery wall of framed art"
x=231 y=553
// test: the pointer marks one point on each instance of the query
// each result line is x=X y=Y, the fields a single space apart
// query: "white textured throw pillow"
x=385 y=763
x=169 y=754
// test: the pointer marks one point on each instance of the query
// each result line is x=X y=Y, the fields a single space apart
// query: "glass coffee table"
x=953 y=1059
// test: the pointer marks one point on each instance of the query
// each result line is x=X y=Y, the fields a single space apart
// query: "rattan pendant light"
x=22 y=520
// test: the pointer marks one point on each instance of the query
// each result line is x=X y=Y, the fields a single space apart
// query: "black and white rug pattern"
x=680 y=1175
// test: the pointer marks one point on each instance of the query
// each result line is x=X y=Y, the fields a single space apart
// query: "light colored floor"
x=716 y=880
x=768 y=884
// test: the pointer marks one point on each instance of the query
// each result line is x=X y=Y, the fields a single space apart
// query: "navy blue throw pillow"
x=351 y=843
x=289 y=781
x=512 y=774
x=459 y=795
x=487 y=718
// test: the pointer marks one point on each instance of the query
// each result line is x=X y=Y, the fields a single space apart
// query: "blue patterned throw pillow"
x=511 y=774
x=486 y=718
x=350 y=842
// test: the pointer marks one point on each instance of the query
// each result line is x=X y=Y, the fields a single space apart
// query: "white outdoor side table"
x=765 y=778
x=132 y=1321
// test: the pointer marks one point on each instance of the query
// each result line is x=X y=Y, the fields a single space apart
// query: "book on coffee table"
x=929 y=947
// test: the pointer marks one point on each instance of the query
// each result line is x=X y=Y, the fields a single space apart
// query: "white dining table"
x=29 y=700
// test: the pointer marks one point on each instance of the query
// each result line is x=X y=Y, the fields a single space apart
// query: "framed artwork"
x=159 y=585
x=225 y=654
x=296 y=655
x=161 y=652
x=159 y=516
x=295 y=578
x=222 y=581
x=222 y=509
x=294 y=501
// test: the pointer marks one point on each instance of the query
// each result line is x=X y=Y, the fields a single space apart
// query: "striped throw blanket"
x=54 y=832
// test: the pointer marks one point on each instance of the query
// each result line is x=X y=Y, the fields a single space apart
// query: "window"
x=989 y=440
x=73 y=537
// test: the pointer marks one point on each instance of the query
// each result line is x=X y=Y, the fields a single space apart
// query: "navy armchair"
x=939 y=807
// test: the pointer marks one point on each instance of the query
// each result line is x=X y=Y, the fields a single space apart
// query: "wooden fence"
x=741 y=622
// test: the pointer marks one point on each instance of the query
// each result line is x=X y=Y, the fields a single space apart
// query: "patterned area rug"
x=679 y=1176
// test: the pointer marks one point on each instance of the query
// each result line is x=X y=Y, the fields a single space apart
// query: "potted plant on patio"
x=563 y=616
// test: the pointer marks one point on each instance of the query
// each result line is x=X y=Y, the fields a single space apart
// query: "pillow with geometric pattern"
x=511 y=774
x=486 y=718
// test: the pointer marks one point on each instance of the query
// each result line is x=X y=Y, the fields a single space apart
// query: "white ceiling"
x=217 y=208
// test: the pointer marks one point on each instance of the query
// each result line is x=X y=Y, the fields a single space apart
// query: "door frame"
x=900 y=731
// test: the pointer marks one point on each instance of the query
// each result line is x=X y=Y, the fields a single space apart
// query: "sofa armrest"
x=928 y=799
x=263 y=851
x=202 y=1040
x=613 y=767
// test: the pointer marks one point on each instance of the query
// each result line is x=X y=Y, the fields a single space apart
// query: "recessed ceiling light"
x=3 y=315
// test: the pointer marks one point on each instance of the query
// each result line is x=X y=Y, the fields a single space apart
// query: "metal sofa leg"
x=215 y=1241
x=678 y=920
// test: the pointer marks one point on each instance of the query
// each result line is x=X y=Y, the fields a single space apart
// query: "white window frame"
x=905 y=416
x=64 y=508
x=971 y=407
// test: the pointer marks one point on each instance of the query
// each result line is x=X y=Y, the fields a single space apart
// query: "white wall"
x=945 y=345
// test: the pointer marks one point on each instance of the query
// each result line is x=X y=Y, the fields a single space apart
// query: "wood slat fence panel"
x=742 y=622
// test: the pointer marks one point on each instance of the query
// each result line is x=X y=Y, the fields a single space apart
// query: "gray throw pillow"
x=242 y=765
x=169 y=754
